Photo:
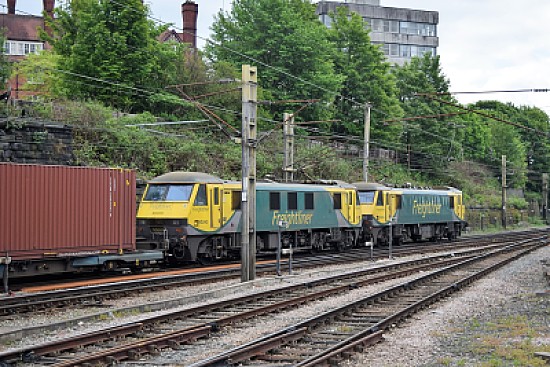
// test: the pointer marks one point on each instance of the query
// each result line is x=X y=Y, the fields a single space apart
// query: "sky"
x=489 y=45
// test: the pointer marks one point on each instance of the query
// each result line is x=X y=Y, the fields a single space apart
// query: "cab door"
x=351 y=207
x=388 y=207
x=381 y=207
x=216 y=212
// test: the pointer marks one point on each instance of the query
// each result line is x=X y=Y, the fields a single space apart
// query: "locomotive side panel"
x=425 y=207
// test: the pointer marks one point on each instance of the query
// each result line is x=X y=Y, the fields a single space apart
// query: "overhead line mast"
x=248 y=198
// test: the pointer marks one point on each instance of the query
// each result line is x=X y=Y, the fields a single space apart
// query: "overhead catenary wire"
x=258 y=62
x=526 y=90
x=428 y=95
x=145 y=91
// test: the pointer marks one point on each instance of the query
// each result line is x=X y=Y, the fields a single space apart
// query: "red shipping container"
x=61 y=211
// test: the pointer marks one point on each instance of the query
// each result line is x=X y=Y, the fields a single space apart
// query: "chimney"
x=11 y=6
x=189 y=11
x=48 y=7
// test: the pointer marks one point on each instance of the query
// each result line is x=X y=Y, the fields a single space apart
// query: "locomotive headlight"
x=142 y=222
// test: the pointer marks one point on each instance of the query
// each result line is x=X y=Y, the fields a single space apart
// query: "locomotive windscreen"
x=366 y=197
x=169 y=192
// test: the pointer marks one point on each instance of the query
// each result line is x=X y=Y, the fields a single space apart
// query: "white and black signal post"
x=504 y=191
x=366 y=142
x=248 y=199
x=545 y=196
x=288 y=138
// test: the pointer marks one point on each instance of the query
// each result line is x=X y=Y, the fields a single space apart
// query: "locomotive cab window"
x=380 y=201
x=201 y=200
x=398 y=201
x=168 y=193
x=216 y=196
x=274 y=201
x=292 y=201
x=337 y=200
x=309 y=202
x=452 y=202
x=366 y=197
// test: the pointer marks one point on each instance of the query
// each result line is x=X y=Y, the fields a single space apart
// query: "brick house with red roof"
x=22 y=36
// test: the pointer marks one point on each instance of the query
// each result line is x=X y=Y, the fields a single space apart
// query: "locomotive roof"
x=373 y=186
x=370 y=186
x=184 y=177
x=301 y=186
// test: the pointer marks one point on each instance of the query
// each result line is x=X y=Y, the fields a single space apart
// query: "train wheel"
x=205 y=261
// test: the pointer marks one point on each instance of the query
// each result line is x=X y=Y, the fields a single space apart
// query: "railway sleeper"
x=153 y=349
x=134 y=355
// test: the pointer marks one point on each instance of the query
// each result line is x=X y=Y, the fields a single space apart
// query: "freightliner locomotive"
x=196 y=216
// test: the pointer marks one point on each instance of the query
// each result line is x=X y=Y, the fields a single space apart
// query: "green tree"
x=515 y=143
x=537 y=144
x=109 y=52
x=367 y=78
x=476 y=137
x=5 y=66
x=287 y=43
x=432 y=141
x=42 y=70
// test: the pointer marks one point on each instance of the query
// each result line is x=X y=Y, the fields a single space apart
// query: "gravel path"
x=499 y=320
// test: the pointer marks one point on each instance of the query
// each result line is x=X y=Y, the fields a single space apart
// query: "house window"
x=391 y=49
x=17 y=48
x=377 y=25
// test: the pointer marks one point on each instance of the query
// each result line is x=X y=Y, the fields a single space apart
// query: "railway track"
x=174 y=329
x=119 y=287
x=328 y=339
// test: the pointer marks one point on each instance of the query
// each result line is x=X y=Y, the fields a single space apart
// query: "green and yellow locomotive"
x=196 y=217
x=410 y=213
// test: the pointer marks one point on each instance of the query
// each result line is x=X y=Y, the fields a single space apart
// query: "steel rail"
x=154 y=343
x=94 y=294
x=341 y=347
x=316 y=289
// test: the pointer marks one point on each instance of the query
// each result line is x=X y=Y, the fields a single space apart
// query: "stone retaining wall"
x=36 y=143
